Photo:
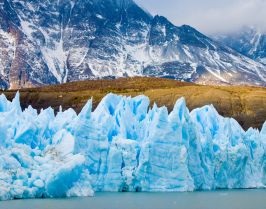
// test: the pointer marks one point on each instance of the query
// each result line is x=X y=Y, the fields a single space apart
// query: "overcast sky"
x=211 y=16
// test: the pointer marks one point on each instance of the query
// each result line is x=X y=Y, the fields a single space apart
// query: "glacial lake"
x=224 y=199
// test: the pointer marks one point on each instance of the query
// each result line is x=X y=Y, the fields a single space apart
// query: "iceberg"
x=125 y=145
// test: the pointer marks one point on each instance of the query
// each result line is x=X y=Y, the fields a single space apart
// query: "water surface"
x=236 y=199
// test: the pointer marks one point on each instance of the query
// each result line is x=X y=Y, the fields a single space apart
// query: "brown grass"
x=246 y=104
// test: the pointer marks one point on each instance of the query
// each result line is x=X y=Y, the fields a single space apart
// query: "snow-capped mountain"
x=249 y=41
x=48 y=42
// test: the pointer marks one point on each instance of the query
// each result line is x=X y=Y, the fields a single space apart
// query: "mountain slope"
x=69 y=40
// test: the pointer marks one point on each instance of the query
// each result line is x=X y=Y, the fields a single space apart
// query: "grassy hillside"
x=246 y=104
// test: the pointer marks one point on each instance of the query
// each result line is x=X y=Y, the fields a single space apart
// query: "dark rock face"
x=48 y=42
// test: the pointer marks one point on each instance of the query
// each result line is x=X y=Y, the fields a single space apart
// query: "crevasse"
x=124 y=146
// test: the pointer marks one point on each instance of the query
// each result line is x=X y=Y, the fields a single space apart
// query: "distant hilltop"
x=246 y=104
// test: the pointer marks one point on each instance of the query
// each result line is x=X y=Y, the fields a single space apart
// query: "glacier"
x=125 y=145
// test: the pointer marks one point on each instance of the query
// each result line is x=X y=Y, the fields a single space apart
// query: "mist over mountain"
x=250 y=41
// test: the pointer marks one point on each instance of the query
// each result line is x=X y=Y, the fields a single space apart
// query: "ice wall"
x=124 y=146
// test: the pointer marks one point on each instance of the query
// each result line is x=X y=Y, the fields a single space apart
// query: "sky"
x=211 y=16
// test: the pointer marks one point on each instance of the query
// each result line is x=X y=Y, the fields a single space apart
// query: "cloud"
x=211 y=16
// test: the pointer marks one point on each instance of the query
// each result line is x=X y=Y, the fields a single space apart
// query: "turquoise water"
x=236 y=199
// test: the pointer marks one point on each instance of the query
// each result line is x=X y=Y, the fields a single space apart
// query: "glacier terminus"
x=125 y=145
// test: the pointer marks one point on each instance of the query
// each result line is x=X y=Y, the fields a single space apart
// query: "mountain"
x=49 y=42
x=249 y=41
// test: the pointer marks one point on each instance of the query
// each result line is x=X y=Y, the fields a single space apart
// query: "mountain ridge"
x=75 y=40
